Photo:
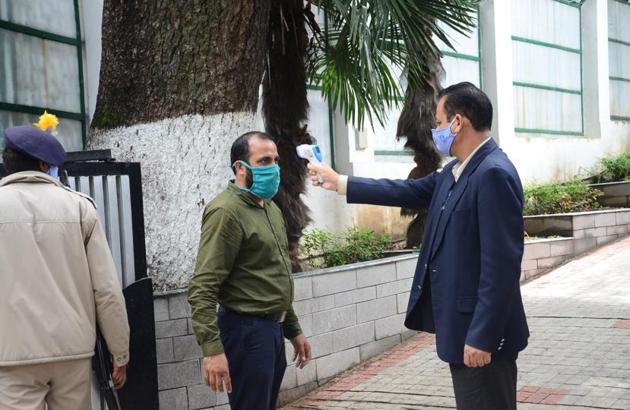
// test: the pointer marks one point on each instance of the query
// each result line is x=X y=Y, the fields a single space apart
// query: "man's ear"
x=458 y=123
x=238 y=167
x=44 y=167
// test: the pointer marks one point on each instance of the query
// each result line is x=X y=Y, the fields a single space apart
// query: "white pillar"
x=595 y=81
x=496 y=57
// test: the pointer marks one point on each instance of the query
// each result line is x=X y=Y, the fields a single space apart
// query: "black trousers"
x=492 y=387
x=256 y=357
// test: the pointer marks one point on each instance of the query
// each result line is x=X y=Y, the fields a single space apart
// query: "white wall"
x=540 y=157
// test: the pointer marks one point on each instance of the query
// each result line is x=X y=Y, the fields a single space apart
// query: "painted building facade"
x=557 y=72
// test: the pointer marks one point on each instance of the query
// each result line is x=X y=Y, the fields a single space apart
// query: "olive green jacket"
x=243 y=264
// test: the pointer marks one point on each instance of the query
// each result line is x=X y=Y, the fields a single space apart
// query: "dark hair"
x=240 y=147
x=15 y=161
x=468 y=100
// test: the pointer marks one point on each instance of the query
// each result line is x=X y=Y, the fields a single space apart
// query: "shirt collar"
x=243 y=195
x=458 y=169
x=29 y=176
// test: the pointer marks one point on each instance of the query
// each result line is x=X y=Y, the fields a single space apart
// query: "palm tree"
x=367 y=40
x=179 y=81
x=285 y=111
x=355 y=59
x=414 y=124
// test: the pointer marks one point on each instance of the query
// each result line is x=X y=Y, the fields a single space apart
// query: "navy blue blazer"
x=466 y=285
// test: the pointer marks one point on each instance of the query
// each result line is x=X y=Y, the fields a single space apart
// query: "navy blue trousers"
x=256 y=357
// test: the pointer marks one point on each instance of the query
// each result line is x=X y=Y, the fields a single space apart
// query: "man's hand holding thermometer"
x=321 y=174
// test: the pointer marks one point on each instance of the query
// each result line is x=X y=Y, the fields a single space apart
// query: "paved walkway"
x=578 y=356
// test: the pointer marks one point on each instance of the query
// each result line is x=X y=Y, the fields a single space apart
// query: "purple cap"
x=31 y=141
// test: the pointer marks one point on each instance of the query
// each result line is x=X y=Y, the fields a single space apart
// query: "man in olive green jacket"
x=243 y=265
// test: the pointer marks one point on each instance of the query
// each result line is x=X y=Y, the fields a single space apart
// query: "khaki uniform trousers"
x=60 y=385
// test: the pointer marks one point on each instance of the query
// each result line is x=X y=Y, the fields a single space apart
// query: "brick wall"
x=349 y=314
x=178 y=356
x=585 y=231
x=615 y=194
x=544 y=254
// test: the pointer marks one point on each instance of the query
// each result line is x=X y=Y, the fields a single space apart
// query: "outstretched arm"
x=412 y=194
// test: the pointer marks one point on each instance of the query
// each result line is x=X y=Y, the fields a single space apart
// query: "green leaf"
x=367 y=41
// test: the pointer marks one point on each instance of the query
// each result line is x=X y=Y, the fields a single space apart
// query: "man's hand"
x=216 y=373
x=302 y=351
x=476 y=358
x=324 y=176
x=119 y=376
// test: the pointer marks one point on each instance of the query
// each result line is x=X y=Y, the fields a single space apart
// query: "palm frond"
x=368 y=40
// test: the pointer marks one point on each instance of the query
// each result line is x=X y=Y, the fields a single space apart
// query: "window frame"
x=580 y=92
x=615 y=78
x=46 y=35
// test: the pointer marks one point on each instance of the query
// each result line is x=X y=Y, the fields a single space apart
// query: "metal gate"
x=116 y=187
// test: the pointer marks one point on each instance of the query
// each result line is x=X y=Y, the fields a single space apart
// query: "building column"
x=595 y=68
x=496 y=59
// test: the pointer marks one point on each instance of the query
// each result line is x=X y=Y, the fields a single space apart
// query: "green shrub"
x=615 y=168
x=317 y=243
x=574 y=196
x=324 y=249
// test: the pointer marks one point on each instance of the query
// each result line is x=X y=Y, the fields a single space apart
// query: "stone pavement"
x=578 y=356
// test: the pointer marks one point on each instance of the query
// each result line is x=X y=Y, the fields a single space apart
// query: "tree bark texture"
x=179 y=83
x=285 y=111
x=415 y=123
x=185 y=164
x=164 y=59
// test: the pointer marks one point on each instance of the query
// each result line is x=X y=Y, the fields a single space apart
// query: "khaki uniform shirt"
x=57 y=275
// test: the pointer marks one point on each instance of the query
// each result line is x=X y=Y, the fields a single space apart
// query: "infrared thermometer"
x=312 y=153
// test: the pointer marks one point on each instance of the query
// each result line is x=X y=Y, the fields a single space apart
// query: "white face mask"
x=53 y=171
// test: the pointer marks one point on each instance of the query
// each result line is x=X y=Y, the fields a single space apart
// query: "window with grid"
x=464 y=64
x=547 y=67
x=619 y=59
x=41 y=66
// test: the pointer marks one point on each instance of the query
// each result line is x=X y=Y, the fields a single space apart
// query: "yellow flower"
x=47 y=122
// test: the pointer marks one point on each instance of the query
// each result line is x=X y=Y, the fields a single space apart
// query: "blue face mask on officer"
x=265 y=180
x=53 y=171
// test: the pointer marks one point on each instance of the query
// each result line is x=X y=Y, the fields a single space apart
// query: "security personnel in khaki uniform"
x=57 y=280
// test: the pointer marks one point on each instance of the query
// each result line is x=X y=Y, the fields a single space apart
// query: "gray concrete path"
x=578 y=356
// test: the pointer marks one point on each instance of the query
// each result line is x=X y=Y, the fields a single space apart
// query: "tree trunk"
x=179 y=82
x=415 y=123
x=168 y=59
x=285 y=109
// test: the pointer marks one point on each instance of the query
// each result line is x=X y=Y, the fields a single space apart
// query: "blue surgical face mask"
x=266 y=180
x=443 y=139
x=53 y=171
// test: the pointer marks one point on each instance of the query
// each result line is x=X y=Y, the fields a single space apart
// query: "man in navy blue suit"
x=466 y=285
